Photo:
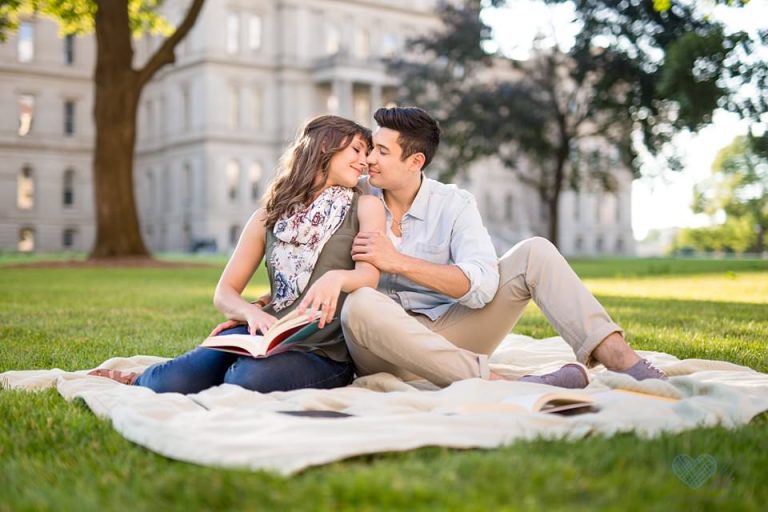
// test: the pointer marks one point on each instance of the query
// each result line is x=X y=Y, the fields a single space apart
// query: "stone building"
x=212 y=127
x=592 y=222
x=46 y=140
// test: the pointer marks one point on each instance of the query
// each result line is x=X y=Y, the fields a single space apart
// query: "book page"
x=238 y=344
x=554 y=402
x=289 y=321
x=535 y=402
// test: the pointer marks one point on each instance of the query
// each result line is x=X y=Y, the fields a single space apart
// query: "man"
x=444 y=301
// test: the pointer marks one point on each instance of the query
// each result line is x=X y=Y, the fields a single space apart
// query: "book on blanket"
x=558 y=402
x=290 y=329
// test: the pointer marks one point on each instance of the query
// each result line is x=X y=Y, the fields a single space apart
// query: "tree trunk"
x=554 y=212
x=117 y=90
x=557 y=186
x=117 y=225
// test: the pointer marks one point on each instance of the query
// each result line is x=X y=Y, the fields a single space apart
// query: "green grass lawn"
x=56 y=455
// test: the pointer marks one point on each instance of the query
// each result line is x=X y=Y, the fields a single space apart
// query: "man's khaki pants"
x=383 y=337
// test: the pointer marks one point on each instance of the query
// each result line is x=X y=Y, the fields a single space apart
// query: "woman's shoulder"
x=370 y=207
x=369 y=202
x=257 y=221
x=259 y=216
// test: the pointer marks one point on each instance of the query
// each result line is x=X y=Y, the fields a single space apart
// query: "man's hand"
x=376 y=248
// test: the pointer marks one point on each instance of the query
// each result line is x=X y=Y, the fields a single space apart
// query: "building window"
x=187 y=233
x=69 y=49
x=332 y=39
x=26 y=114
x=543 y=210
x=389 y=45
x=68 y=238
x=618 y=209
x=166 y=192
x=186 y=106
x=599 y=245
x=257 y=108
x=234 y=234
x=579 y=245
x=162 y=114
x=186 y=187
x=68 y=196
x=490 y=214
x=576 y=206
x=362 y=108
x=509 y=207
x=332 y=103
x=235 y=105
x=233 y=33
x=362 y=43
x=233 y=179
x=25 y=51
x=255 y=179
x=150 y=118
x=620 y=246
x=25 y=189
x=598 y=207
x=69 y=117
x=26 y=240
x=149 y=197
x=254 y=32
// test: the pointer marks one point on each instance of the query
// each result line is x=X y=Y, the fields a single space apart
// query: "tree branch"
x=165 y=54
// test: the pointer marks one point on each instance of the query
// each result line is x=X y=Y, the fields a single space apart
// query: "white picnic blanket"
x=227 y=426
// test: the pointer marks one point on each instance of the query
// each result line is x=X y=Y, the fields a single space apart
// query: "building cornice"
x=206 y=139
x=401 y=7
x=46 y=145
x=18 y=71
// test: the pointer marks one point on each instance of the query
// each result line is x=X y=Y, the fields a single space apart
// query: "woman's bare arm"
x=239 y=270
x=324 y=293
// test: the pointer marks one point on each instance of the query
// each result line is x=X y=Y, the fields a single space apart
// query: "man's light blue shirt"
x=442 y=226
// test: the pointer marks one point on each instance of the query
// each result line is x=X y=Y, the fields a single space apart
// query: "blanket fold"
x=227 y=426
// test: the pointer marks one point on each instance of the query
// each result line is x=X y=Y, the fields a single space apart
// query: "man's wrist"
x=401 y=265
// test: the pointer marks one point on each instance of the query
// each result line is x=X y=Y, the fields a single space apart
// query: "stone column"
x=342 y=90
x=375 y=100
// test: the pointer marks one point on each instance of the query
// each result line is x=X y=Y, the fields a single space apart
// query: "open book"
x=564 y=402
x=290 y=329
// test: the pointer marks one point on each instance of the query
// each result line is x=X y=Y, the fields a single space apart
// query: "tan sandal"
x=116 y=375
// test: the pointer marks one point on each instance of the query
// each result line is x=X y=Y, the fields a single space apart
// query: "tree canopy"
x=637 y=74
x=739 y=187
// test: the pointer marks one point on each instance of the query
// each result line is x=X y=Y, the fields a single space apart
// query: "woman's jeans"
x=202 y=368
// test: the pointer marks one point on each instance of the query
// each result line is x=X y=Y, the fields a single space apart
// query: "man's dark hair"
x=419 y=131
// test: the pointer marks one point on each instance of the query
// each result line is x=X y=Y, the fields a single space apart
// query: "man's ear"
x=416 y=161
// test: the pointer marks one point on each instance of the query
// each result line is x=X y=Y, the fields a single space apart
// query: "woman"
x=304 y=233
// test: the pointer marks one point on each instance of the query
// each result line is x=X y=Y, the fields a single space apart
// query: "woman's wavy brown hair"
x=319 y=139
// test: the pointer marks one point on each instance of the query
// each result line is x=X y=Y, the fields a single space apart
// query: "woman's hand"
x=323 y=296
x=223 y=326
x=258 y=320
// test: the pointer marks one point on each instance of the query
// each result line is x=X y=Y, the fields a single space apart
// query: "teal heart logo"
x=694 y=472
